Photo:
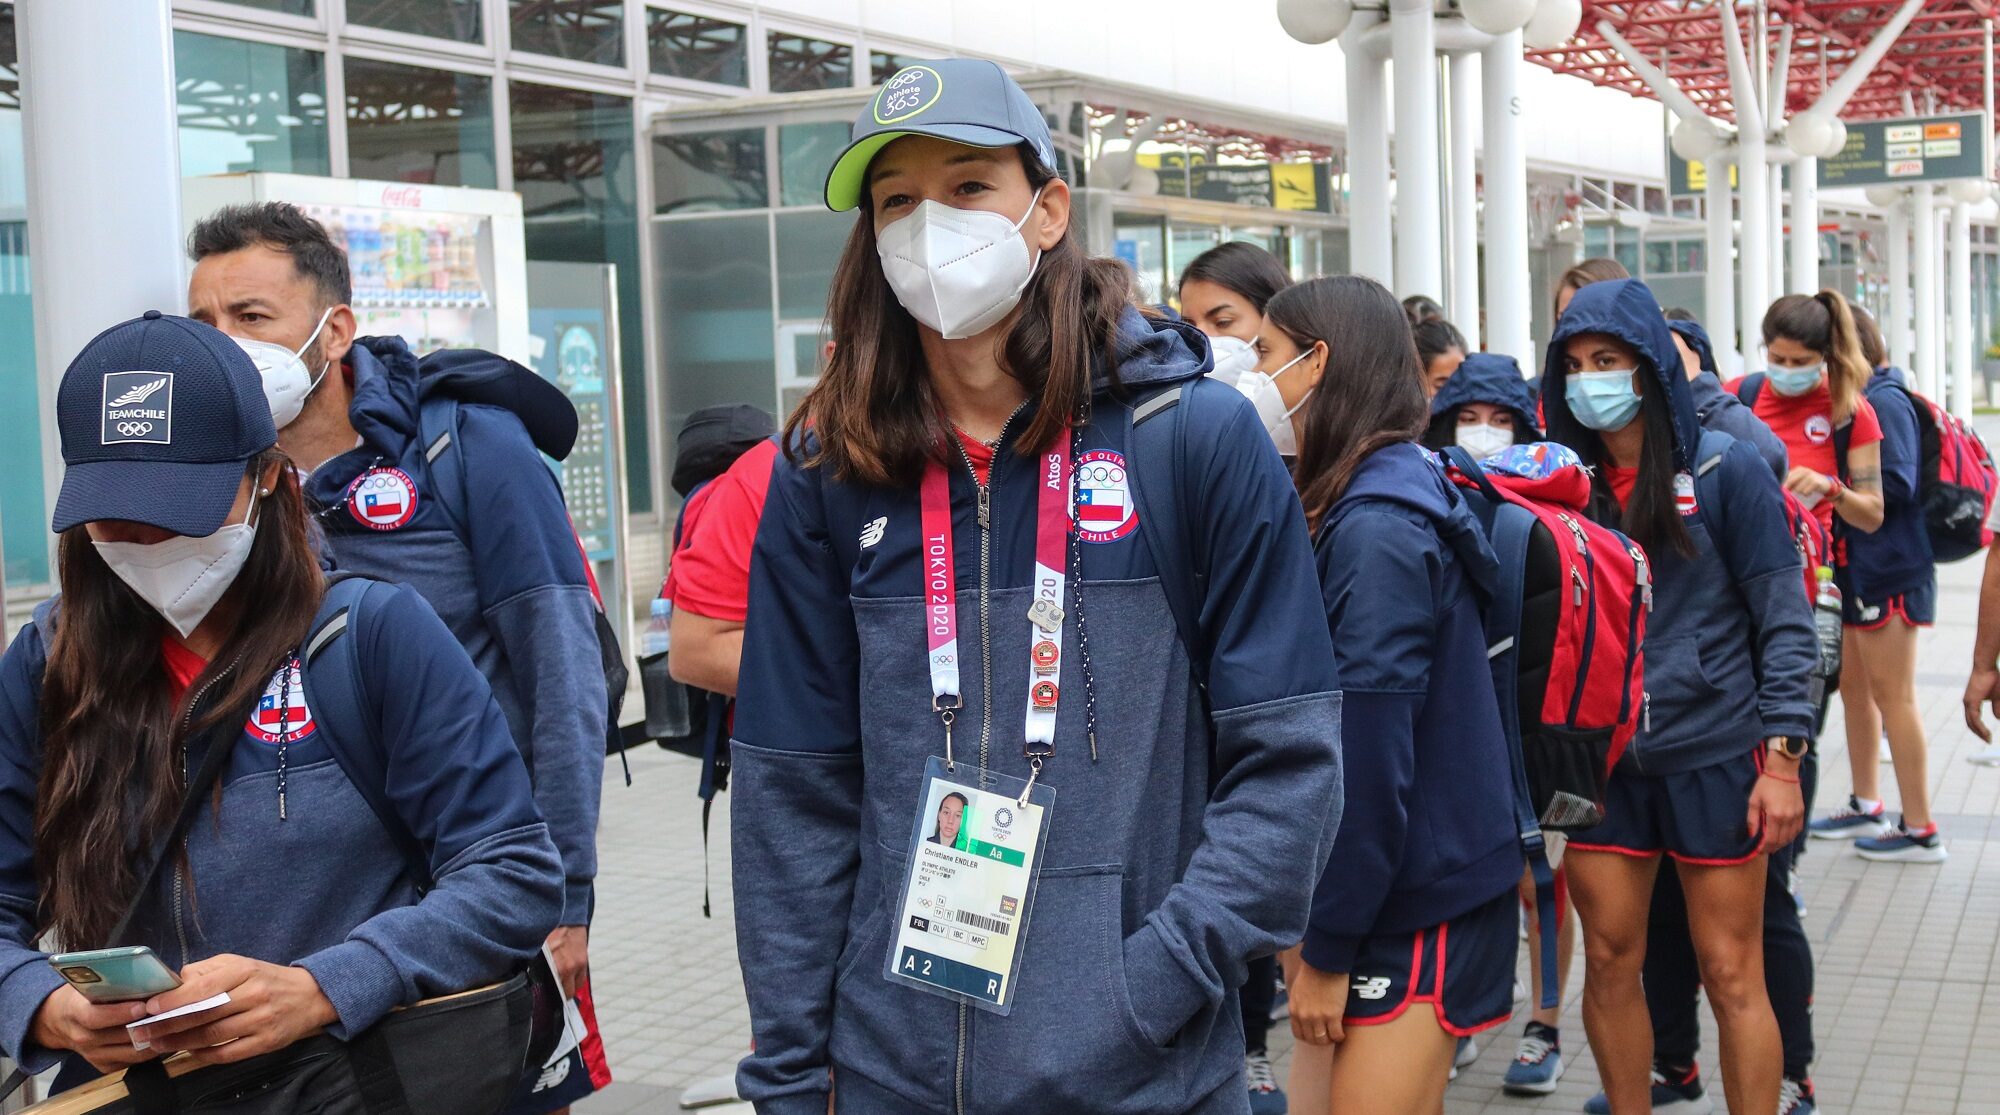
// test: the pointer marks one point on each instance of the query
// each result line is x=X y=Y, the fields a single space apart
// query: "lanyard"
x=1045 y=612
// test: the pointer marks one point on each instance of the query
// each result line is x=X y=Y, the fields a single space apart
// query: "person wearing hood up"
x=1415 y=908
x=1711 y=778
x=1223 y=292
x=956 y=589
x=1483 y=408
x=1719 y=409
x=494 y=554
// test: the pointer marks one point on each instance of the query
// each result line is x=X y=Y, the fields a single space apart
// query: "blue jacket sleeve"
x=456 y=778
x=1276 y=796
x=796 y=755
x=1742 y=423
x=1380 y=578
x=1759 y=553
x=1901 y=444
x=25 y=977
x=535 y=596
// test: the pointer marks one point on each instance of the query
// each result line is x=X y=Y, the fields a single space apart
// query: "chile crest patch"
x=282 y=708
x=382 y=498
x=1101 y=497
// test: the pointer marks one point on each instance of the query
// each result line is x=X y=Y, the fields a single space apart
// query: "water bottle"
x=1828 y=625
x=657 y=637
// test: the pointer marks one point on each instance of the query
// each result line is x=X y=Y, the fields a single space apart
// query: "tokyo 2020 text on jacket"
x=1730 y=643
x=1188 y=845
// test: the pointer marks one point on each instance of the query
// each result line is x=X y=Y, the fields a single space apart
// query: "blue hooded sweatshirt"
x=1428 y=830
x=1185 y=846
x=324 y=888
x=1721 y=410
x=1897 y=557
x=512 y=589
x=1485 y=377
x=1730 y=643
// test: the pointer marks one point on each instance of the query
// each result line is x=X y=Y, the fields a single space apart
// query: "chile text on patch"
x=138 y=406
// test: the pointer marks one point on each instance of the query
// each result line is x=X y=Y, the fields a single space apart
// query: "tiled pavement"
x=1908 y=1003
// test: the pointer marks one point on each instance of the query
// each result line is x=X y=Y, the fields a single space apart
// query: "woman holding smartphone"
x=189 y=589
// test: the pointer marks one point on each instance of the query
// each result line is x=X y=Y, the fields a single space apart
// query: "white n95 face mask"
x=1262 y=391
x=287 y=383
x=1483 y=440
x=958 y=271
x=183 y=577
x=1233 y=358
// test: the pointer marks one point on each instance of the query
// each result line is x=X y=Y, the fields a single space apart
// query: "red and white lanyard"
x=1045 y=611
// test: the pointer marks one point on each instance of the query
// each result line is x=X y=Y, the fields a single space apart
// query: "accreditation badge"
x=975 y=857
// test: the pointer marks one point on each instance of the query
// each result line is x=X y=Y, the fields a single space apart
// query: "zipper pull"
x=1646 y=710
x=985 y=506
x=1576 y=579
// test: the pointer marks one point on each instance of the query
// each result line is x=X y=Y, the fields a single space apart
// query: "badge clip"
x=1047 y=615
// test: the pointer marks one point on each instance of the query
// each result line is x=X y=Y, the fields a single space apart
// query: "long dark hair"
x=111 y=777
x=1652 y=517
x=1823 y=323
x=1372 y=392
x=874 y=412
x=1242 y=267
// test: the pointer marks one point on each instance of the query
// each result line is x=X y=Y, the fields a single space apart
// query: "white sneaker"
x=1987 y=758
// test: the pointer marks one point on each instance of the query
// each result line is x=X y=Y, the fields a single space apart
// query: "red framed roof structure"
x=1938 y=54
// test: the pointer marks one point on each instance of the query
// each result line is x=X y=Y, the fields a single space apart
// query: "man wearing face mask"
x=429 y=472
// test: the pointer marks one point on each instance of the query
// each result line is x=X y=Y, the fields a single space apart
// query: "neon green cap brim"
x=849 y=176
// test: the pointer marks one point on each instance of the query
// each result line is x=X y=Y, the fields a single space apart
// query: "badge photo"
x=1101 y=494
x=382 y=498
x=282 y=709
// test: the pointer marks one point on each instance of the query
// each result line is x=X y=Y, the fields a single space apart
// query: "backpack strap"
x=1750 y=387
x=1708 y=454
x=1158 y=446
x=331 y=678
x=444 y=458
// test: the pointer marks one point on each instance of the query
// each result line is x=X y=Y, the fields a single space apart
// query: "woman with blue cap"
x=1020 y=549
x=170 y=679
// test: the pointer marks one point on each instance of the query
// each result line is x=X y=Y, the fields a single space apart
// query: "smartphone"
x=115 y=975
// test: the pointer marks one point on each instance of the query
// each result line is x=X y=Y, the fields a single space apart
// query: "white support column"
x=1507 y=312
x=1924 y=290
x=1805 y=226
x=1896 y=330
x=1413 y=45
x=1719 y=304
x=1774 y=233
x=1463 y=306
x=1752 y=179
x=103 y=179
x=1962 y=356
x=1369 y=248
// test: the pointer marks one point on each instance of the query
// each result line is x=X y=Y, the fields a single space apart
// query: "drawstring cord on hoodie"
x=284 y=725
x=1082 y=629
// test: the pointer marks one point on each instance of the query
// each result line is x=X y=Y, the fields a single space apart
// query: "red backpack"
x=1814 y=543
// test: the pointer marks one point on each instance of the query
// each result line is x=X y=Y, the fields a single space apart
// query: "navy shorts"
x=1463 y=968
x=1917 y=608
x=1695 y=816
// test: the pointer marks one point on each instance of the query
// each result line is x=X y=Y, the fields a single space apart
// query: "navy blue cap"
x=159 y=417
x=965 y=100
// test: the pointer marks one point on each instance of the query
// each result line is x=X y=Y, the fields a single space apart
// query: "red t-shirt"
x=710 y=572
x=182 y=665
x=978 y=453
x=1805 y=424
x=1621 y=481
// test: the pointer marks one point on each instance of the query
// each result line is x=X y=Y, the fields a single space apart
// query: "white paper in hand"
x=132 y=1028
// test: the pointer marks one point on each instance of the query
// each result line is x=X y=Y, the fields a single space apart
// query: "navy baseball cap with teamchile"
x=159 y=417
x=965 y=100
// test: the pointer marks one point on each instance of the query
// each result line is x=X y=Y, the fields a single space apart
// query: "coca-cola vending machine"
x=439 y=266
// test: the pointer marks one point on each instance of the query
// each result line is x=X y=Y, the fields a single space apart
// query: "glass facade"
x=710 y=170
x=249 y=106
x=458 y=20
x=410 y=124
x=715 y=314
x=286 y=7
x=801 y=63
x=24 y=520
x=805 y=156
x=698 y=47
x=883 y=65
x=579 y=30
x=573 y=167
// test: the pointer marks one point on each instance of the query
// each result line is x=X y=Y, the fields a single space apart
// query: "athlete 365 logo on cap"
x=909 y=93
x=138 y=406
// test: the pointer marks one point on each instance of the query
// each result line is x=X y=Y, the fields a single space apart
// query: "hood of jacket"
x=391 y=383
x=1627 y=310
x=1409 y=476
x=1493 y=379
x=1697 y=339
x=1889 y=373
x=1154 y=352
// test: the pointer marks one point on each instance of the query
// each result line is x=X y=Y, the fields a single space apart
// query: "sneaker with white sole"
x=1265 y=1098
x=1900 y=845
x=1795 y=1097
x=1538 y=1063
x=1685 y=1098
x=1987 y=758
x=1797 y=890
x=1462 y=1057
x=1851 y=822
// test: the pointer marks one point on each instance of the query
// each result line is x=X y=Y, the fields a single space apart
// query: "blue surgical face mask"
x=1602 y=400
x=1791 y=382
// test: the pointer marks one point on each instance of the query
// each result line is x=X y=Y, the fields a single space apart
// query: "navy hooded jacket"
x=511 y=586
x=1428 y=830
x=1186 y=845
x=1896 y=558
x=1723 y=411
x=1485 y=377
x=1730 y=643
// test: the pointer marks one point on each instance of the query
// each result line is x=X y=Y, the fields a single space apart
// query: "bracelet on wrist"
x=1777 y=777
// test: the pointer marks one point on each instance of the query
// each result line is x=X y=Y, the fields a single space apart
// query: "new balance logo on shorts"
x=1369 y=987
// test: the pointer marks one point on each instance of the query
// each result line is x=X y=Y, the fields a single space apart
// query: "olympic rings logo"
x=134 y=429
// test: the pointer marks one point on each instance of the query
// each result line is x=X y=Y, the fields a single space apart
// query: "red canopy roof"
x=1937 y=54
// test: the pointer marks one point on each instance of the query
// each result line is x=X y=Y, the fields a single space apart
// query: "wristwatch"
x=1791 y=747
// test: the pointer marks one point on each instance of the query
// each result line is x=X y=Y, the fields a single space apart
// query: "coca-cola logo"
x=406 y=197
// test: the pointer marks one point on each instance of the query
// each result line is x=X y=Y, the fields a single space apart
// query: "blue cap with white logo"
x=965 y=100
x=159 y=417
